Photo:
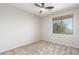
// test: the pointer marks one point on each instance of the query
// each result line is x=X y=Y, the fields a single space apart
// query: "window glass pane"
x=63 y=24
x=67 y=23
x=57 y=26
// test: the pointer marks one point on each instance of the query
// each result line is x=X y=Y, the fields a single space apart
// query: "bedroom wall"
x=17 y=27
x=64 y=39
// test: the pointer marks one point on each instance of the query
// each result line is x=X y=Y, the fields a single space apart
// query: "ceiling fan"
x=42 y=6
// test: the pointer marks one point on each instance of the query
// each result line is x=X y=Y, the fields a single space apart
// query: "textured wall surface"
x=64 y=39
x=17 y=27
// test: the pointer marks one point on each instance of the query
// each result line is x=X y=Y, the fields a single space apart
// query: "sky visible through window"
x=68 y=23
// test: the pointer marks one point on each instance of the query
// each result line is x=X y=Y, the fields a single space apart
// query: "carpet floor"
x=42 y=48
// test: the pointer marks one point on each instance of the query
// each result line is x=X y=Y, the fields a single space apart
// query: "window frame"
x=62 y=18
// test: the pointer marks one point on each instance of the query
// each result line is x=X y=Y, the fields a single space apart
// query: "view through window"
x=63 y=24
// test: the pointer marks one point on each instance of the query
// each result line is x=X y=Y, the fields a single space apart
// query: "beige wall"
x=17 y=27
x=69 y=40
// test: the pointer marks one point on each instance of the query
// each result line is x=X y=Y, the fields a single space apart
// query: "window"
x=63 y=24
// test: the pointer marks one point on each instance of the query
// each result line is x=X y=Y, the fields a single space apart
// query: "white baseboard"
x=26 y=43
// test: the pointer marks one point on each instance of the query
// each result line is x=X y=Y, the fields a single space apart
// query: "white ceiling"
x=30 y=7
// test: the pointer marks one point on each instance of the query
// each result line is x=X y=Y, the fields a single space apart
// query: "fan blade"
x=42 y=4
x=49 y=7
x=36 y=4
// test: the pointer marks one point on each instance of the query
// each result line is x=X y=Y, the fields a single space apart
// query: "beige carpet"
x=42 y=48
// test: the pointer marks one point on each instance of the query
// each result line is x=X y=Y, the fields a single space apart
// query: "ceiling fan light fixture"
x=42 y=9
